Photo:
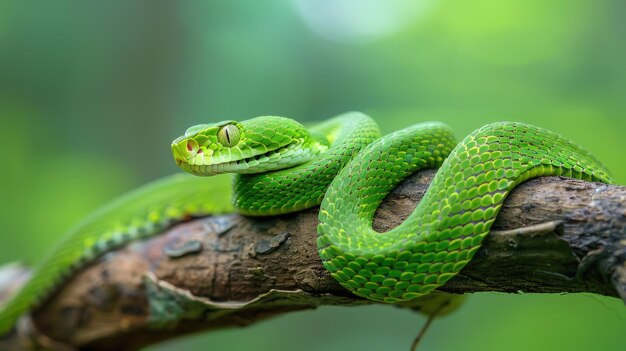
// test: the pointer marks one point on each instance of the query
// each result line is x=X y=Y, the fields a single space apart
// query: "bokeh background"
x=92 y=92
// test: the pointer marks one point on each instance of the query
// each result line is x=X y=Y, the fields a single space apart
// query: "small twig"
x=426 y=325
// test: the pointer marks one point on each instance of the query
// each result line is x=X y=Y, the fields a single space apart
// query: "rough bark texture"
x=553 y=235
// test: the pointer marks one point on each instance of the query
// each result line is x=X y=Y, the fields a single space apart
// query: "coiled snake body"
x=343 y=164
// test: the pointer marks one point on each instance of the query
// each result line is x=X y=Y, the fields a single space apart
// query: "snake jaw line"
x=257 y=145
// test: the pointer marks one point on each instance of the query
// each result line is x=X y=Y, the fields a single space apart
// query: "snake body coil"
x=446 y=229
x=282 y=167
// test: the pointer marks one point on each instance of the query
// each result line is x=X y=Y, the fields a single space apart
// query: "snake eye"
x=228 y=135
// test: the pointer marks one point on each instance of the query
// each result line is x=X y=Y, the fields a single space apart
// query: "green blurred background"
x=92 y=92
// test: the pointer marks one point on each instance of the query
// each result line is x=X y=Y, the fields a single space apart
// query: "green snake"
x=343 y=164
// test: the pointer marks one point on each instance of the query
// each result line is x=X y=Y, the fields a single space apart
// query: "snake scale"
x=343 y=164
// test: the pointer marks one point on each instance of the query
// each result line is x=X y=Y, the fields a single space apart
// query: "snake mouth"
x=198 y=163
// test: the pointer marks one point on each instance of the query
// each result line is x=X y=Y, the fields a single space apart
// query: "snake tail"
x=141 y=213
x=448 y=225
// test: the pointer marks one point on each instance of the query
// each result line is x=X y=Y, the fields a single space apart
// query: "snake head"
x=257 y=145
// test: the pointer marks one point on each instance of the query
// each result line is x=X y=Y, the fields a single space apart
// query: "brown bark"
x=553 y=235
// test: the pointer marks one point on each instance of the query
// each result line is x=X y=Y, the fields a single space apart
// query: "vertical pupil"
x=227 y=135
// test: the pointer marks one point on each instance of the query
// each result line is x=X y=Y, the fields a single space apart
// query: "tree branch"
x=553 y=235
